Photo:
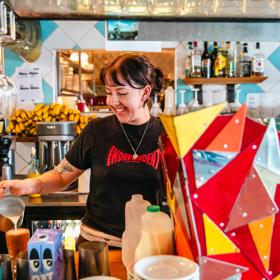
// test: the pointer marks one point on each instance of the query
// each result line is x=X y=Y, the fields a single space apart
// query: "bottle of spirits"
x=220 y=63
x=258 y=62
x=205 y=62
x=230 y=71
x=247 y=62
x=34 y=170
x=196 y=61
x=239 y=60
x=213 y=58
x=188 y=60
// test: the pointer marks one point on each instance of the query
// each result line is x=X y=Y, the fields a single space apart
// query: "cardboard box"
x=45 y=255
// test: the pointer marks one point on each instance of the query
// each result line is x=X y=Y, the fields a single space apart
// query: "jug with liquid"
x=11 y=212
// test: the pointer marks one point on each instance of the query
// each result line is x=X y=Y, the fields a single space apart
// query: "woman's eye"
x=122 y=93
x=108 y=93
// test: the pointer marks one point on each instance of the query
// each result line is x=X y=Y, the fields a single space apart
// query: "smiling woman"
x=121 y=150
x=129 y=81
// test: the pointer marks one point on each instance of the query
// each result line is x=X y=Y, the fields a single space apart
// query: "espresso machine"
x=55 y=139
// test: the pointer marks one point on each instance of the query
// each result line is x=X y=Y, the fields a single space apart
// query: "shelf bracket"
x=230 y=93
x=199 y=94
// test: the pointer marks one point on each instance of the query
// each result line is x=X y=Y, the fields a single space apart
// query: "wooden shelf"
x=26 y=139
x=225 y=81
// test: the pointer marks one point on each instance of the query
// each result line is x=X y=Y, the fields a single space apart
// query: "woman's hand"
x=20 y=187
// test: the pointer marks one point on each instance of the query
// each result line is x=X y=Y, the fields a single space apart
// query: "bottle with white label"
x=258 y=62
x=196 y=61
x=156 y=234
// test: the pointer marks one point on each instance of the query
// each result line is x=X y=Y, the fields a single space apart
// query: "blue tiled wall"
x=91 y=35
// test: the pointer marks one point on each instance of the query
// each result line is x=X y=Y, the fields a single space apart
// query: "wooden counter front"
x=117 y=268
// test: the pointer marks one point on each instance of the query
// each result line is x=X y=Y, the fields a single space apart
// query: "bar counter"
x=116 y=266
x=53 y=207
x=69 y=199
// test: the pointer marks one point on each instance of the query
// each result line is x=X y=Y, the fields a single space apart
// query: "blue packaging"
x=45 y=254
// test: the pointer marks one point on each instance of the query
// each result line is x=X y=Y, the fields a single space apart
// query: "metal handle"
x=12 y=22
x=3 y=15
x=7 y=31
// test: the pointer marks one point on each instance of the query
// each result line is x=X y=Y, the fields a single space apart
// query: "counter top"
x=69 y=199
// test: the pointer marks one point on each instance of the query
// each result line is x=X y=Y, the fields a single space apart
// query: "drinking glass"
x=5 y=267
x=182 y=108
x=17 y=240
x=195 y=104
x=22 y=271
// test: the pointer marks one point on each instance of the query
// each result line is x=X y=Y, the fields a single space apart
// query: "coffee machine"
x=6 y=168
x=55 y=139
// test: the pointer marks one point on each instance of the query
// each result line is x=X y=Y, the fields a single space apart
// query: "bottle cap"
x=153 y=208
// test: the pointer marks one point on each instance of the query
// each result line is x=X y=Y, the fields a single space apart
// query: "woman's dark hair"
x=137 y=71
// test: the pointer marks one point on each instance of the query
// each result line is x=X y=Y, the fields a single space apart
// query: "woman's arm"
x=54 y=180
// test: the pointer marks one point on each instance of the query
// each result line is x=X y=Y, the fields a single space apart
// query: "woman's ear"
x=146 y=93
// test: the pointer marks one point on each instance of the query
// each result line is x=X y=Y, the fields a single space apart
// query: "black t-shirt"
x=115 y=176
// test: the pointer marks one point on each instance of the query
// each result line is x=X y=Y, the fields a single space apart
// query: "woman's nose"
x=114 y=99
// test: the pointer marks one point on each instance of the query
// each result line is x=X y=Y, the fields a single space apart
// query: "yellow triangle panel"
x=168 y=125
x=184 y=130
x=216 y=241
x=262 y=233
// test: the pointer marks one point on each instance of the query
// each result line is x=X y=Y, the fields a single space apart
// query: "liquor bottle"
x=34 y=170
x=258 y=62
x=246 y=62
x=205 y=62
x=196 y=61
x=220 y=63
x=69 y=238
x=230 y=71
x=213 y=58
x=188 y=60
x=239 y=60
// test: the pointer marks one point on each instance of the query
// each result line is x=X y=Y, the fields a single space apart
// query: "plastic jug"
x=134 y=209
x=156 y=234
x=11 y=212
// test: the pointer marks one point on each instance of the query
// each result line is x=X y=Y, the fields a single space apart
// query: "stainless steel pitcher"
x=11 y=212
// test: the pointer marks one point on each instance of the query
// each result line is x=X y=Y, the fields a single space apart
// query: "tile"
x=22 y=157
x=59 y=40
x=76 y=30
x=48 y=92
x=248 y=88
x=92 y=40
x=44 y=62
x=268 y=48
x=49 y=79
x=11 y=61
x=274 y=58
x=273 y=76
x=101 y=26
x=76 y=47
x=48 y=27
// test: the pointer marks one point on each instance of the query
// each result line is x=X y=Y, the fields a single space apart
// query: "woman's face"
x=128 y=103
